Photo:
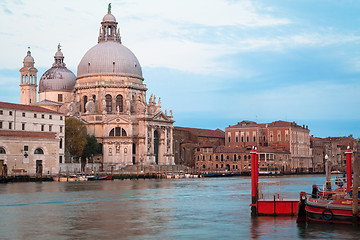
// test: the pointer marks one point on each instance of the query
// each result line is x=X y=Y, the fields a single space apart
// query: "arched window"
x=117 y=132
x=108 y=100
x=85 y=101
x=119 y=103
x=2 y=150
x=38 y=151
x=156 y=146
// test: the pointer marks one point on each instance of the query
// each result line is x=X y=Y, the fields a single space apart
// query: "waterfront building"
x=109 y=95
x=238 y=159
x=31 y=139
x=187 y=141
x=280 y=135
x=317 y=147
x=282 y=145
x=334 y=148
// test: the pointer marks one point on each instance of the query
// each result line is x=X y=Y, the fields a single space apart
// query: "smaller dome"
x=57 y=79
x=28 y=58
x=109 y=18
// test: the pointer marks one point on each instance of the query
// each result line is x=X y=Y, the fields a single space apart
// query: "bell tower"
x=28 y=80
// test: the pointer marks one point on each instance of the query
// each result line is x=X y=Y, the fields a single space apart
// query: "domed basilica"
x=109 y=95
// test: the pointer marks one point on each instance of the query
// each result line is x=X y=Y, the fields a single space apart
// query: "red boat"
x=330 y=210
x=330 y=206
x=100 y=177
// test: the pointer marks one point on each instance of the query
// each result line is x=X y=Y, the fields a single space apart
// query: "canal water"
x=205 y=208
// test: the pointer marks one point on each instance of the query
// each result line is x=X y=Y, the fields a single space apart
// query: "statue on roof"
x=109 y=8
x=59 y=47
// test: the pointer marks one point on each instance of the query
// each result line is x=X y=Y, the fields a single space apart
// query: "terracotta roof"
x=224 y=149
x=27 y=134
x=26 y=107
x=203 y=132
x=246 y=124
x=280 y=123
x=341 y=140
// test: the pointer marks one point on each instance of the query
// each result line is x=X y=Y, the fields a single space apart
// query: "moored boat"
x=329 y=210
x=100 y=177
x=332 y=206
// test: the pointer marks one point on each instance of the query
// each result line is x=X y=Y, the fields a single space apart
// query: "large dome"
x=109 y=58
x=57 y=79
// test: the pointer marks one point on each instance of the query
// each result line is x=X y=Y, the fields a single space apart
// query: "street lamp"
x=327 y=172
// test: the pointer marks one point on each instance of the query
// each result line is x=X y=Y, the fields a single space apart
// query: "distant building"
x=280 y=135
x=32 y=139
x=238 y=159
x=187 y=141
x=317 y=146
x=284 y=145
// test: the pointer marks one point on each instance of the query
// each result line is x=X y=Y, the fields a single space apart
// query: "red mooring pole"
x=348 y=169
x=254 y=179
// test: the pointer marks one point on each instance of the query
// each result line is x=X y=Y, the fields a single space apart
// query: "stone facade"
x=287 y=136
x=334 y=148
x=189 y=140
x=31 y=136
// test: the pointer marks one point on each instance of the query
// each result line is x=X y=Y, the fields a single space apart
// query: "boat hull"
x=328 y=211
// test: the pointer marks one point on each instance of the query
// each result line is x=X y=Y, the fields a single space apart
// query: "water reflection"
x=147 y=209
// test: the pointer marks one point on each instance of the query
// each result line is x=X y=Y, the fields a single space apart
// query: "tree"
x=75 y=136
x=91 y=148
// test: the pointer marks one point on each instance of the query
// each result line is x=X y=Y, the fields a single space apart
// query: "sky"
x=213 y=63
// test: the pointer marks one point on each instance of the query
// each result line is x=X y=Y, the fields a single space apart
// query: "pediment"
x=160 y=116
x=117 y=120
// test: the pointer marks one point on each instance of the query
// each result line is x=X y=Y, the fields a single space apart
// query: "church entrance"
x=156 y=147
x=39 y=169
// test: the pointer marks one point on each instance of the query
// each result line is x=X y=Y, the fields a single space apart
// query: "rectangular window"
x=1 y=112
x=10 y=125
x=60 y=159
x=0 y=125
x=61 y=129
x=35 y=115
x=26 y=148
x=10 y=113
x=42 y=127
x=23 y=114
x=229 y=139
x=61 y=117
x=42 y=116
x=222 y=157
x=50 y=116
x=237 y=139
x=60 y=97
x=23 y=126
x=61 y=143
x=50 y=128
x=279 y=136
x=210 y=157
